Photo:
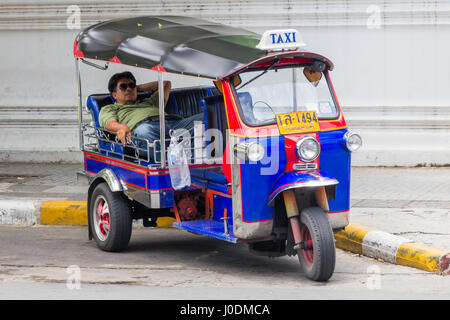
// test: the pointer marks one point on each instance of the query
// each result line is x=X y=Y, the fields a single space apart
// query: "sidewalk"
x=371 y=187
x=41 y=182
x=412 y=203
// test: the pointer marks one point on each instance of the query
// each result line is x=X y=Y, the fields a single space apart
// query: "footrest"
x=209 y=228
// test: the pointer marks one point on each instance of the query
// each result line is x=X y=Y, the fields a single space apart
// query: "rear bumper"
x=83 y=178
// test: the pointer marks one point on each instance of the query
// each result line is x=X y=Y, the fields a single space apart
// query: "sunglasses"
x=125 y=86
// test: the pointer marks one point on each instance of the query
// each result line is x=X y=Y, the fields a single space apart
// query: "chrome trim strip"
x=111 y=179
x=162 y=128
x=310 y=184
x=304 y=166
x=80 y=104
x=155 y=200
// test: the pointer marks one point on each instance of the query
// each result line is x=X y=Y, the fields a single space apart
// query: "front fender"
x=300 y=179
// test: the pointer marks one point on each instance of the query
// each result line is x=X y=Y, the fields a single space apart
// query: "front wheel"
x=110 y=218
x=317 y=255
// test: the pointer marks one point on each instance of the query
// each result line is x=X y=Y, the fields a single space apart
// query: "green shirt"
x=130 y=113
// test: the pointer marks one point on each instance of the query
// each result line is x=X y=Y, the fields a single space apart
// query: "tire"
x=317 y=261
x=111 y=230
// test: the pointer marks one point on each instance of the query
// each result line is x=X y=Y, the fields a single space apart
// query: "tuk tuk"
x=269 y=165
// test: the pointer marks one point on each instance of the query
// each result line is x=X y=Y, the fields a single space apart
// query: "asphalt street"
x=171 y=264
x=44 y=262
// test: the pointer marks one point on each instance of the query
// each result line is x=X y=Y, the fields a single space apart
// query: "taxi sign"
x=298 y=122
x=281 y=39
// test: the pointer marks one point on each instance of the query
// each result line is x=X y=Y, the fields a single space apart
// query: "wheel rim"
x=308 y=251
x=101 y=218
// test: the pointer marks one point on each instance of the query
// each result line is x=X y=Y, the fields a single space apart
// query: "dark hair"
x=112 y=84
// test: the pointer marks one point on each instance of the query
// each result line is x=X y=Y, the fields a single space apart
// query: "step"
x=208 y=228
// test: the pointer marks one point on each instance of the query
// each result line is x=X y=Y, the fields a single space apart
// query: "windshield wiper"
x=259 y=75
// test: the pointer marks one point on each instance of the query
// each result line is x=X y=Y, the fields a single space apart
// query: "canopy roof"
x=176 y=43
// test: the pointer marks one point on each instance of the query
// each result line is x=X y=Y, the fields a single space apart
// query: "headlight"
x=308 y=149
x=249 y=151
x=352 y=141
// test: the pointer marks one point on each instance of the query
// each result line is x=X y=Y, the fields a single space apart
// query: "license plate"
x=298 y=122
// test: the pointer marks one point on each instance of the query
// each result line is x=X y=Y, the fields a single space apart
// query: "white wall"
x=391 y=66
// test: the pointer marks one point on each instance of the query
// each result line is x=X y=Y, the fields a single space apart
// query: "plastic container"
x=180 y=175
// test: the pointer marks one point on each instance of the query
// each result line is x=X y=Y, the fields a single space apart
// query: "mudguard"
x=111 y=179
x=114 y=185
x=300 y=179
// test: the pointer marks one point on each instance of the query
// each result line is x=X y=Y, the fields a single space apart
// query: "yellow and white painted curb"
x=355 y=238
x=64 y=213
x=391 y=248
x=32 y=212
x=16 y=212
x=75 y=213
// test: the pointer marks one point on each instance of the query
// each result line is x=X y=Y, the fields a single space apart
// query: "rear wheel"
x=110 y=218
x=318 y=253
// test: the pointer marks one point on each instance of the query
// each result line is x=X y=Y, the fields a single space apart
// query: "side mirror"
x=237 y=80
x=312 y=75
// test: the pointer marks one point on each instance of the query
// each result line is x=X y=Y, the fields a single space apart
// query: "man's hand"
x=153 y=86
x=123 y=133
x=121 y=129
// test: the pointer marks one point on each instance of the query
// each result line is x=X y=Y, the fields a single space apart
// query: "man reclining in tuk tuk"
x=127 y=116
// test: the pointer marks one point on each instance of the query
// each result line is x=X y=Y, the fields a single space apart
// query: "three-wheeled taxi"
x=269 y=165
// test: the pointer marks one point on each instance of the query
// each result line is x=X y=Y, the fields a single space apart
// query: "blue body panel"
x=128 y=176
x=159 y=182
x=132 y=177
x=220 y=203
x=258 y=178
x=209 y=228
x=335 y=160
x=258 y=192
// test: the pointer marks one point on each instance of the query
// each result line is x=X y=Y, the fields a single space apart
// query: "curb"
x=75 y=213
x=25 y=212
x=64 y=213
x=32 y=212
x=355 y=238
x=377 y=244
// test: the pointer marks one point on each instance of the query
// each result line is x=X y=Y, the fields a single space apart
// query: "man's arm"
x=153 y=86
x=121 y=129
x=108 y=120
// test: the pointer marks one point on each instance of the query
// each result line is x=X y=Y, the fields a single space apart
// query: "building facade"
x=391 y=68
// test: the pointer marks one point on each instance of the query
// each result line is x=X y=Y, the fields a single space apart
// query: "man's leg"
x=148 y=130
x=187 y=123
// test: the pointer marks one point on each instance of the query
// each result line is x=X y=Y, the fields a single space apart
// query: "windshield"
x=264 y=95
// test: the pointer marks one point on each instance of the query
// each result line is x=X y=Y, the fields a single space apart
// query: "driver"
x=127 y=116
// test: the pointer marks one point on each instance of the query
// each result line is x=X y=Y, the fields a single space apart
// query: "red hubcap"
x=101 y=218
x=308 y=251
